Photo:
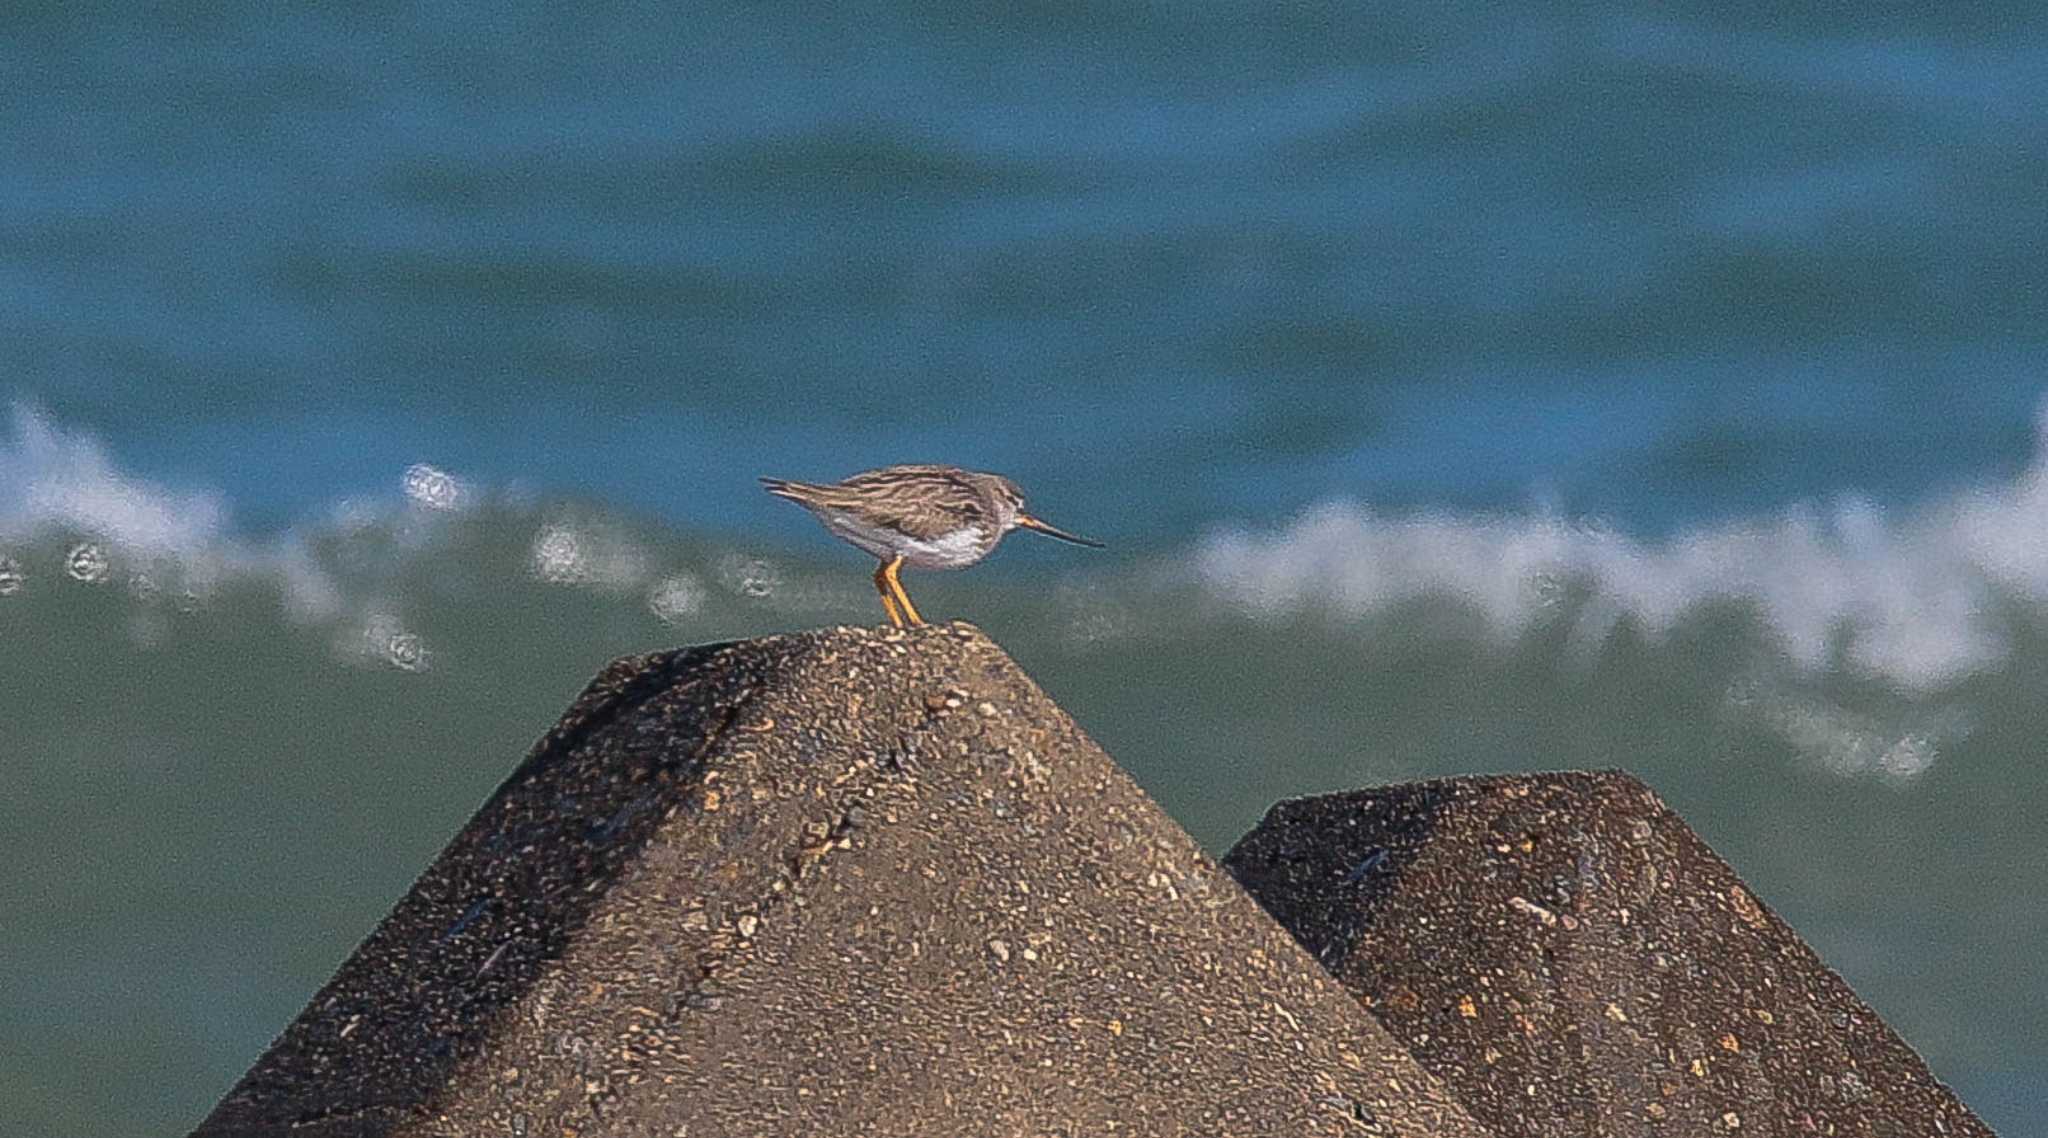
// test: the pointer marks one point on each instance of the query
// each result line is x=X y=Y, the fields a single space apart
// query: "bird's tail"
x=794 y=491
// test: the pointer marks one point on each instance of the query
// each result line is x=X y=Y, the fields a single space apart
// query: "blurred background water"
x=1462 y=388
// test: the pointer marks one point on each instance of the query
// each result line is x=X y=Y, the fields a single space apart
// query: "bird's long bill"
x=1029 y=522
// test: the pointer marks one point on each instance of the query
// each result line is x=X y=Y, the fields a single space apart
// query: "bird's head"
x=1009 y=503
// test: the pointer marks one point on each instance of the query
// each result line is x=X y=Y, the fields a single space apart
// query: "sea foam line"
x=54 y=480
x=1916 y=592
x=169 y=544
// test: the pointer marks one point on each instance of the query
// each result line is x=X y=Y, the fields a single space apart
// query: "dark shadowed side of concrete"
x=1572 y=959
x=849 y=882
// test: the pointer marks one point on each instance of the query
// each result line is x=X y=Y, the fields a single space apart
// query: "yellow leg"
x=882 y=582
x=902 y=598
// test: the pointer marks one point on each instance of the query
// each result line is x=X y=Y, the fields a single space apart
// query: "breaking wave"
x=1920 y=598
x=444 y=573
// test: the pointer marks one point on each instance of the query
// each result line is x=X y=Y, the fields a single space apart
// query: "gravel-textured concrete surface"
x=849 y=882
x=1572 y=959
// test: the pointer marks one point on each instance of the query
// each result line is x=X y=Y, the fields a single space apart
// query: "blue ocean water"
x=1459 y=389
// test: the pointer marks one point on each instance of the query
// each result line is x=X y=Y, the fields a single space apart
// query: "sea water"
x=1459 y=389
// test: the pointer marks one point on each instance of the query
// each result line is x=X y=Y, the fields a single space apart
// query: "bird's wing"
x=923 y=502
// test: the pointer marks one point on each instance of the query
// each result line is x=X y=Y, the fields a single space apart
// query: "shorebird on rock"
x=932 y=517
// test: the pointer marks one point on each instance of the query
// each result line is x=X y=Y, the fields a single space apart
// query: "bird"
x=930 y=517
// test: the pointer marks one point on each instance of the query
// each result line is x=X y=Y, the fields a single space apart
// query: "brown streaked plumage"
x=932 y=517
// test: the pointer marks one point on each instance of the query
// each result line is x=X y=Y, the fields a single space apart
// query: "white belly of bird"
x=959 y=548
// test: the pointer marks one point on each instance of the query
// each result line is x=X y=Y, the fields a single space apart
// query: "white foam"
x=1917 y=594
x=432 y=488
x=379 y=637
x=594 y=554
x=87 y=563
x=676 y=598
x=59 y=482
x=1896 y=744
x=1920 y=594
x=56 y=480
x=749 y=576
